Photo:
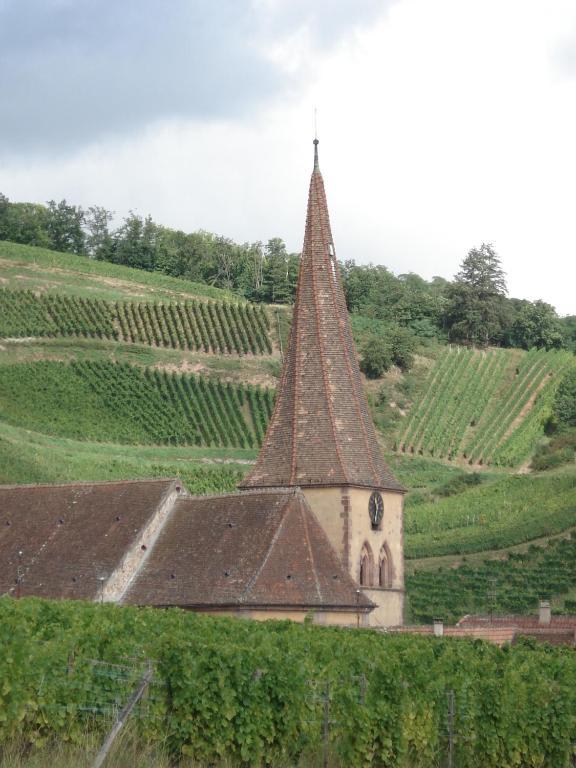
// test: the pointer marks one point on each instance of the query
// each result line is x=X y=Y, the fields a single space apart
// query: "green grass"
x=27 y=266
x=27 y=456
x=507 y=511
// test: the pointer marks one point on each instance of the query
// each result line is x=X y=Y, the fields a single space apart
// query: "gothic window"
x=366 y=566
x=385 y=567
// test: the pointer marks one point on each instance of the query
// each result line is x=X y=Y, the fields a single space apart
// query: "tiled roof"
x=497 y=635
x=521 y=622
x=321 y=432
x=71 y=535
x=246 y=549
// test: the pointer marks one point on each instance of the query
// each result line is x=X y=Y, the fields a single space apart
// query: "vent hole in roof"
x=172 y=575
x=60 y=521
x=8 y=522
x=289 y=576
x=143 y=547
x=335 y=577
x=226 y=573
x=231 y=525
x=117 y=518
x=74 y=578
x=178 y=489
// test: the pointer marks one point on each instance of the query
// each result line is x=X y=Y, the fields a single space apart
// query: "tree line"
x=471 y=309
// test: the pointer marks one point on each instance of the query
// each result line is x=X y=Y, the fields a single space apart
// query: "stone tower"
x=321 y=437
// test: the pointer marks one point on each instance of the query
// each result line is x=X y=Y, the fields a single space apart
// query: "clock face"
x=376 y=509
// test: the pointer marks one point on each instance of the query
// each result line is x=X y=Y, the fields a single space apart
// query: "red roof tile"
x=321 y=432
x=247 y=549
x=522 y=622
x=70 y=535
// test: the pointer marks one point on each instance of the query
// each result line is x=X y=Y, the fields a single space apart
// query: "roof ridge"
x=303 y=515
x=253 y=579
x=286 y=490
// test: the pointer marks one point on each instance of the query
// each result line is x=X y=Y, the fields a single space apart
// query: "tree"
x=65 y=227
x=25 y=223
x=376 y=357
x=402 y=347
x=564 y=408
x=277 y=272
x=99 y=242
x=476 y=310
x=568 y=325
x=135 y=242
x=537 y=325
x=395 y=347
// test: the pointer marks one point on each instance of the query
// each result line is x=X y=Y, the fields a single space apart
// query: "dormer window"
x=331 y=250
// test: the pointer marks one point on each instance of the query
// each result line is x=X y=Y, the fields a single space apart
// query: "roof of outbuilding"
x=321 y=431
x=71 y=535
x=246 y=549
x=521 y=622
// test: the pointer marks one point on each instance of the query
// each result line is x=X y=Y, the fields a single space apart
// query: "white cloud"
x=443 y=125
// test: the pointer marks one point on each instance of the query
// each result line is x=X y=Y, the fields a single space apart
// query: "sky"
x=442 y=124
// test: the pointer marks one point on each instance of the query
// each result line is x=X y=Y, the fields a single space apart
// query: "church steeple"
x=321 y=432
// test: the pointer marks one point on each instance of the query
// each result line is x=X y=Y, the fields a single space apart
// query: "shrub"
x=376 y=357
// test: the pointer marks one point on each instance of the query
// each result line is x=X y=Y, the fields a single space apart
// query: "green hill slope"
x=33 y=268
x=108 y=373
x=485 y=407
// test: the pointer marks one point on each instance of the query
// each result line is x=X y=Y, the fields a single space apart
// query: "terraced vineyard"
x=508 y=511
x=486 y=407
x=512 y=585
x=115 y=402
x=211 y=326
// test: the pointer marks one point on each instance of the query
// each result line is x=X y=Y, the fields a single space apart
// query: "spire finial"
x=316 y=166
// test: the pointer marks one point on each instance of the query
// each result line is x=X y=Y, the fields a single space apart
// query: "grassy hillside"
x=27 y=456
x=109 y=373
x=38 y=269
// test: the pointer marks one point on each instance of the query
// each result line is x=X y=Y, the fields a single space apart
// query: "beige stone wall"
x=389 y=611
x=328 y=618
x=326 y=503
x=343 y=513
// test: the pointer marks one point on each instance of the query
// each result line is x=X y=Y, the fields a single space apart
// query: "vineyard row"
x=104 y=401
x=487 y=407
x=216 y=326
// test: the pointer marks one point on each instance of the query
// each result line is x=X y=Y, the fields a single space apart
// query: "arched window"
x=385 y=567
x=366 y=566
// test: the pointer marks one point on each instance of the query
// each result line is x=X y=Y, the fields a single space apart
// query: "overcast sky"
x=442 y=124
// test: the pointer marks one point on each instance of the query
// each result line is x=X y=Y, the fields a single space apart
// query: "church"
x=314 y=530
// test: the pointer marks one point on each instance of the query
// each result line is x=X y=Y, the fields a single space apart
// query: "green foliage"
x=537 y=325
x=512 y=585
x=252 y=693
x=559 y=450
x=564 y=406
x=508 y=511
x=115 y=402
x=476 y=300
x=394 y=347
x=117 y=279
x=212 y=327
x=488 y=407
x=376 y=357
